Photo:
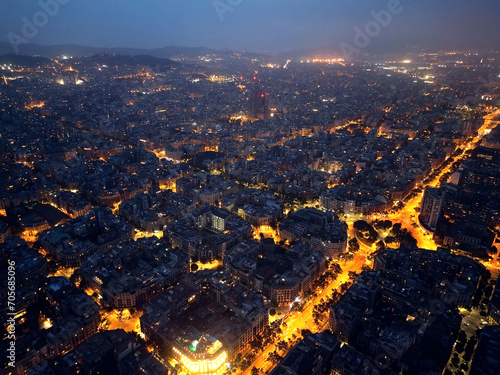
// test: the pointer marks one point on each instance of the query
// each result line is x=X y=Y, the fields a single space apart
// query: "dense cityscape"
x=219 y=212
x=232 y=213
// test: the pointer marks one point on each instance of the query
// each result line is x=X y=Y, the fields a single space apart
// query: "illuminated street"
x=142 y=234
x=121 y=319
x=267 y=231
x=208 y=265
x=296 y=321
x=64 y=272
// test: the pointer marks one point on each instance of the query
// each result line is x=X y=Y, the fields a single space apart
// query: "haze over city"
x=260 y=25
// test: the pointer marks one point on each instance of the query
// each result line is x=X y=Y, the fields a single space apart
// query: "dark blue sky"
x=256 y=25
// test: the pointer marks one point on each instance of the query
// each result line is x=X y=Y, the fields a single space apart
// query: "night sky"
x=258 y=25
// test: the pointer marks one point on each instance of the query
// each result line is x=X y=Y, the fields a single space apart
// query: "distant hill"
x=156 y=63
x=82 y=51
x=22 y=60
